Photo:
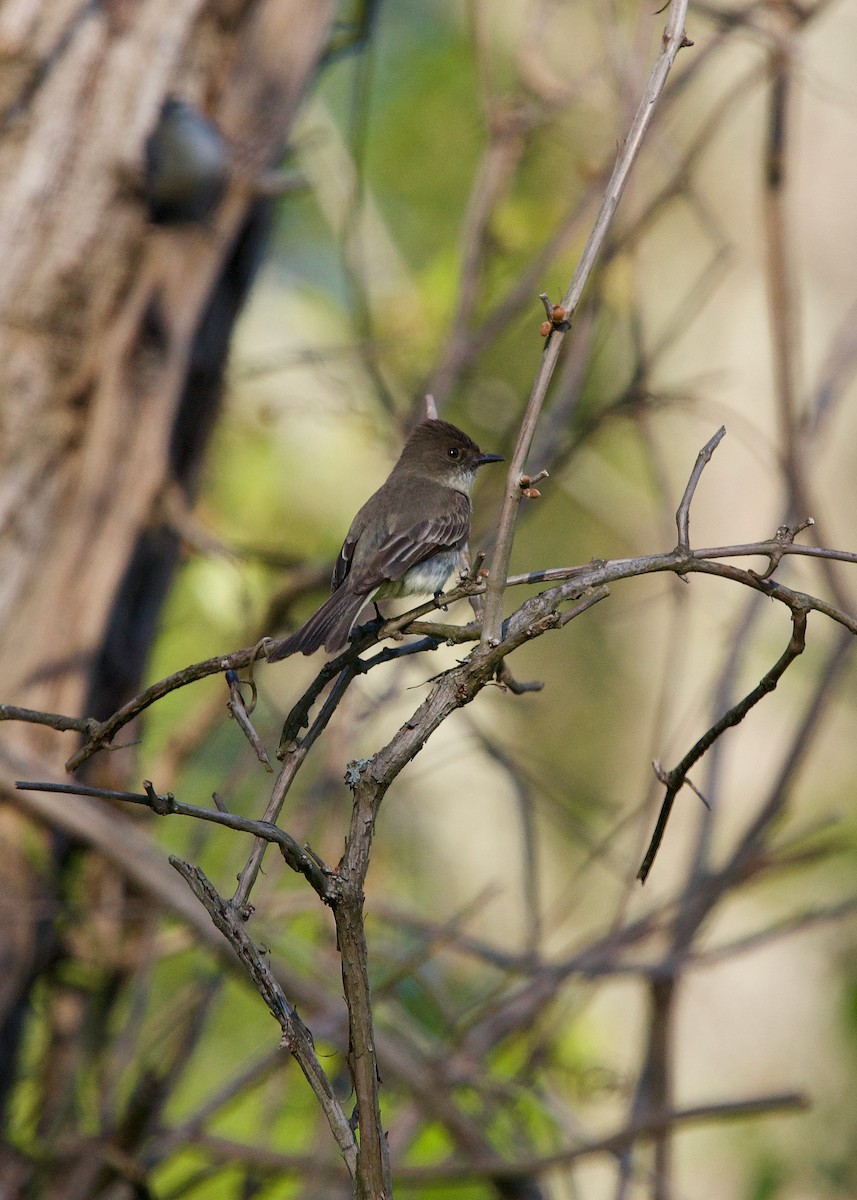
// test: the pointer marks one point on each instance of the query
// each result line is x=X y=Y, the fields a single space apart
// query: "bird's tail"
x=329 y=626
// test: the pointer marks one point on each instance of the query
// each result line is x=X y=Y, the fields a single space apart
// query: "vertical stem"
x=284 y=781
x=373 y=1181
x=672 y=41
x=781 y=299
x=658 y=1075
x=653 y=1095
x=373 y=1165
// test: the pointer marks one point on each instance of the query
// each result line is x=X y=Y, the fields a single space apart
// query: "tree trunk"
x=113 y=336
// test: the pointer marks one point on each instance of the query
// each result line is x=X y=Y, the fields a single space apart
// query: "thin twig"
x=676 y=778
x=32 y=716
x=782 y=306
x=492 y=1166
x=104 y=732
x=589 y=576
x=294 y=760
x=240 y=713
x=167 y=805
x=297 y=1039
x=682 y=517
x=838 y=659
x=672 y=42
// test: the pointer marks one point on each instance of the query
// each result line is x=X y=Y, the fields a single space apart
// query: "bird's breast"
x=423 y=579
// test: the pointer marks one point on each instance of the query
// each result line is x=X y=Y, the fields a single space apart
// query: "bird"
x=405 y=540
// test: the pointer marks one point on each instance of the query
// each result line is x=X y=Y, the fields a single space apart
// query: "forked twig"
x=297 y=1039
x=676 y=778
x=240 y=713
x=296 y=857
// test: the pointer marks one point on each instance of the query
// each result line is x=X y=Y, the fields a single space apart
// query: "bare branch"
x=294 y=760
x=296 y=857
x=676 y=778
x=12 y=712
x=489 y=1166
x=672 y=42
x=105 y=731
x=816 y=706
x=297 y=1039
x=240 y=713
x=682 y=517
x=586 y=578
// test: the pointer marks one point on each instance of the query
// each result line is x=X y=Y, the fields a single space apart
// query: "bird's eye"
x=453 y=452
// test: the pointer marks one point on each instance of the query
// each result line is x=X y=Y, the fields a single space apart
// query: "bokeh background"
x=447 y=168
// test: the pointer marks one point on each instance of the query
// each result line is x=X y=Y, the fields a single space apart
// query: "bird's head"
x=444 y=452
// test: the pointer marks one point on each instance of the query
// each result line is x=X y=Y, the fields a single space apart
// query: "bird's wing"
x=446 y=529
x=343 y=560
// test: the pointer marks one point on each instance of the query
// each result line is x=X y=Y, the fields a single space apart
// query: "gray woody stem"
x=673 y=40
x=296 y=1037
x=676 y=779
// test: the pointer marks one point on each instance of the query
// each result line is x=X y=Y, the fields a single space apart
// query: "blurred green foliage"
x=328 y=371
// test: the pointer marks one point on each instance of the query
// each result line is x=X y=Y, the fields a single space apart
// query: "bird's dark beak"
x=489 y=458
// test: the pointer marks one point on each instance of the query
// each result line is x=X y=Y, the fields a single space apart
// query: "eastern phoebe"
x=406 y=539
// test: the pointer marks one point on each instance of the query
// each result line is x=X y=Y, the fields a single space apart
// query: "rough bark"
x=113 y=335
